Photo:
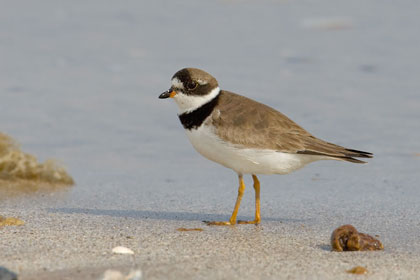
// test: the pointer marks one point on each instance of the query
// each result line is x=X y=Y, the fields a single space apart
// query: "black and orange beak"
x=169 y=93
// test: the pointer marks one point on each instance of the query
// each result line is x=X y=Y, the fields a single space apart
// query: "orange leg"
x=257 y=203
x=232 y=219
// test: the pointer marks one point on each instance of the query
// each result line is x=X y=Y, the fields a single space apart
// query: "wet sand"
x=80 y=84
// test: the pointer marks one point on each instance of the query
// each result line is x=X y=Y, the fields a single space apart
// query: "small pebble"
x=134 y=275
x=111 y=274
x=122 y=250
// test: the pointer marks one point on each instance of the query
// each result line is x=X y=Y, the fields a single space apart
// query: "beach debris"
x=134 y=275
x=347 y=238
x=112 y=274
x=10 y=222
x=357 y=270
x=122 y=250
x=16 y=165
x=189 y=229
x=6 y=274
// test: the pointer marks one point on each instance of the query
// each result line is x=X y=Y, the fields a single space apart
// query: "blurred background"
x=79 y=82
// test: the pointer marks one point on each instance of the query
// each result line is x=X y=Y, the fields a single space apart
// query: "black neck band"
x=193 y=119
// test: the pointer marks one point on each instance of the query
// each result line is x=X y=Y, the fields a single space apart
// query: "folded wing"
x=245 y=122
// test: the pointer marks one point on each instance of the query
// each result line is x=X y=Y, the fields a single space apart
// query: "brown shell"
x=347 y=238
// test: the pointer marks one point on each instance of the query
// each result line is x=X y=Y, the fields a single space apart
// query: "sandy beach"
x=79 y=83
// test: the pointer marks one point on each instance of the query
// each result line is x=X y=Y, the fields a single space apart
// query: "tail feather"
x=350 y=159
x=360 y=153
x=345 y=154
x=316 y=146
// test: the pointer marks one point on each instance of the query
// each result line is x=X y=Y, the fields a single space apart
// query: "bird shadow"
x=160 y=215
x=324 y=247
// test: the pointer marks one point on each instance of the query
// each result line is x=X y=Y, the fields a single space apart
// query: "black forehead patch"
x=183 y=75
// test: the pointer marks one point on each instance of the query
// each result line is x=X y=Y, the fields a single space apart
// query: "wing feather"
x=245 y=122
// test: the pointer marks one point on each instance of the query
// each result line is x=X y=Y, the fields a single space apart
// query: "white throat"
x=188 y=103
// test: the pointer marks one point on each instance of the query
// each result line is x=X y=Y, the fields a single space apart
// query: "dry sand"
x=55 y=244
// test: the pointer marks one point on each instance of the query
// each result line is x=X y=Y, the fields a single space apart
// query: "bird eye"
x=192 y=85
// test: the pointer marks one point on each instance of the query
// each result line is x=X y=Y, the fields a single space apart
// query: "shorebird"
x=245 y=135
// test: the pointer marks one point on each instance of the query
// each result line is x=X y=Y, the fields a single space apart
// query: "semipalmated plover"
x=244 y=135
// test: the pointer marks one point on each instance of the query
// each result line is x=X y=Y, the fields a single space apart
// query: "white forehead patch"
x=176 y=83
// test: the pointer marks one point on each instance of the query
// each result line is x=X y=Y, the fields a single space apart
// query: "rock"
x=6 y=274
x=122 y=250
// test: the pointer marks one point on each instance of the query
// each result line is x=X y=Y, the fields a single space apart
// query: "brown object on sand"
x=357 y=270
x=16 y=165
x=10 y=222
x=189 y=229
x=347 y=238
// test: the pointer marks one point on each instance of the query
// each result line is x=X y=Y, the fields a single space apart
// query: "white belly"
x=244 y=160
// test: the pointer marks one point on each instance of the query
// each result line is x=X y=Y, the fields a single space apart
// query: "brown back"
x=243 y=121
